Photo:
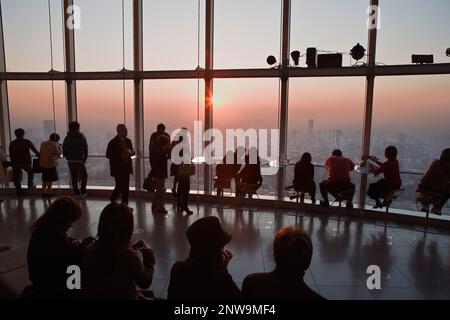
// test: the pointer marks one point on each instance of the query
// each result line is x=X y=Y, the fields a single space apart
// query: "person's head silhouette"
x=292 y=250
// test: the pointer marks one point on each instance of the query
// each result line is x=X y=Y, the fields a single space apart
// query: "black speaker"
x=311 y=57
x=333 y=60
x=422 y=58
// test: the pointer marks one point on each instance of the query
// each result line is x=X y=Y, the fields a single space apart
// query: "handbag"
x=149 y=184
x=36 y=167
x=7 y=164
x=186 y=169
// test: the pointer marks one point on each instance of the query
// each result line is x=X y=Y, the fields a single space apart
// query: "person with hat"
x=204 y=274
x=292 y=250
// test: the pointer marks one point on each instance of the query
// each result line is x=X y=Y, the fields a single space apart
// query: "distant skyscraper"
x=49 y=128
x=311 y=126
x=402 y=138
x=336 y=139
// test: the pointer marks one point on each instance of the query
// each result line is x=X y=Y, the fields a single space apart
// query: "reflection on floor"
x=414 y=265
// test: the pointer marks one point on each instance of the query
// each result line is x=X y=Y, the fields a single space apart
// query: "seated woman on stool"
x=304 y=176
x=437 y=180
x=391 y=171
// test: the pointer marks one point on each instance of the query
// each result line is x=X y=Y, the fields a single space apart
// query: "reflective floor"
x=414 y=264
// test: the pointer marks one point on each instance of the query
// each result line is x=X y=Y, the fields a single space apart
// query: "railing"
x=99 y=176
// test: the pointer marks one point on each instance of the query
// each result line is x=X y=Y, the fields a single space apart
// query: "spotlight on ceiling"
x=271 y=60
x=358 y=52
x=448 y=52
x=295 y=55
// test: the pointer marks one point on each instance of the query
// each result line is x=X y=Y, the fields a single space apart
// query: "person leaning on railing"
x=437 y=180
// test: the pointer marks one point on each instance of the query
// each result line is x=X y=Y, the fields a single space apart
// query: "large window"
x=248 y=104
x=99 y=41
x=413 y=27
x=246 y=32
x=169 y=45
x=411 y=113
x=100 y=108
x=177 y=104
x=31 y=108
x=329 y=25
x=325 y=114
x=27 y=35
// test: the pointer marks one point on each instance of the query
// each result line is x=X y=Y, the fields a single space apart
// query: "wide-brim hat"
x=207 y=233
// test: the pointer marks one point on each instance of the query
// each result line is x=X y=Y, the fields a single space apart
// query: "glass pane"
x=248 y=104
x=171 y=34
x=99 y=42
x=246 y=33
x=31 y=108
x=329 y=26
x=413 y=27
x=411 y=113
x=100 y=109
x=176 y=104
x=319 y=123
x=27 y=35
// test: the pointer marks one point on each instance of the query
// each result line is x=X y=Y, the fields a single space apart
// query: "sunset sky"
x=246 y=32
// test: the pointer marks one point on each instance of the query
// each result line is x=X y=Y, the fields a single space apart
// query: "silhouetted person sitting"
x=51 y=251
x=225 y=172
x=293 y=251
x=75 y=150
x=391 y=171
x=249 y=179
x=119 y=152
x=338 y=181
x=204 y=275
x=111 y=266
x=159 y=156
x=437 y=180
x=304 y=176
x=19 y=152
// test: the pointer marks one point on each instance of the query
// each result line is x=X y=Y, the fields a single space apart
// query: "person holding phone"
x=111 y=266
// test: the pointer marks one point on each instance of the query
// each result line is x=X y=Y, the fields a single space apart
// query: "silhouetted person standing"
x=204 y=275
x=111 y=266
x=159 y=156
x=75 y=150
x=48 y=161
x=3 y=174
x=119 y=152
x=292 y=250
x=160 y=130
x=19 y=152
x=304 y=176
x=339 y=169
x=184 y=178
x=51 y=251
x=391 y=171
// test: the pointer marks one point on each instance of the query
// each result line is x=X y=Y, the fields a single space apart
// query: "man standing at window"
x=75 y=150
x=19 y=152
x=119 y=152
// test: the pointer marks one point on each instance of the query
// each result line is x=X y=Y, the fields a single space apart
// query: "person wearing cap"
x=204 y=274
x=292 y=251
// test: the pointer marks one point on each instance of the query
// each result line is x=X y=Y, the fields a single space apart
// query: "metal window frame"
x=138 y=75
